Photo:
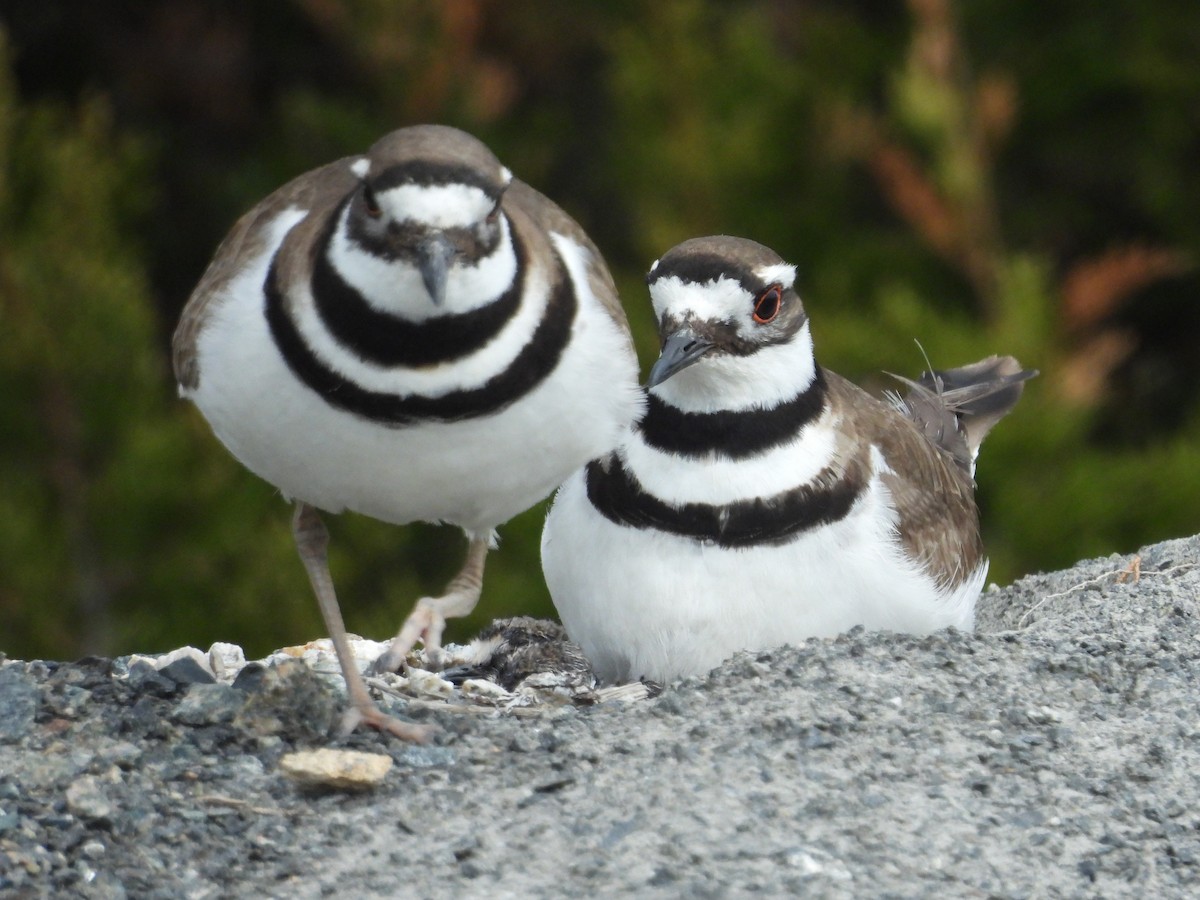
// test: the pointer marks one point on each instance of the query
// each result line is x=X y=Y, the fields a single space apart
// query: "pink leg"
x=312 y=540
x=428 y=620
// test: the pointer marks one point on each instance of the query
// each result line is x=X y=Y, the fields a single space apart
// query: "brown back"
x=934 y=496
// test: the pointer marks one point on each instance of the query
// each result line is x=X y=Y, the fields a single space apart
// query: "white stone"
x=226 y=660
x=199 y=657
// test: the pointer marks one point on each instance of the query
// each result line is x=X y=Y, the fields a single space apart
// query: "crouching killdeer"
x=763 y=499
x=411 y=334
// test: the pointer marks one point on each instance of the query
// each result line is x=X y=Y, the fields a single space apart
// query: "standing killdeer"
x=414 y=335
x=763 y=499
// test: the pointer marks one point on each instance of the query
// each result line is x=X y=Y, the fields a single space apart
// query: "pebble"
x=87 y=798
x=347 y=770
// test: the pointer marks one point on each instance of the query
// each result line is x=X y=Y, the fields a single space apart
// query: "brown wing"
x=549 y=216
x=956 y=408
x=934 y=497
x=316 y=190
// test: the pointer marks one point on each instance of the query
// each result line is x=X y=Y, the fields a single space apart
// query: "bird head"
x=722 y=304
x=430 y=197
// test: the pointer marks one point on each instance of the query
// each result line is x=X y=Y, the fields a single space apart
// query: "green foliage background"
x=984 y=177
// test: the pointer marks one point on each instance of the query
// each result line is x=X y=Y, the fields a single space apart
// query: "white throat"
x=771 y=376
x=395 y=286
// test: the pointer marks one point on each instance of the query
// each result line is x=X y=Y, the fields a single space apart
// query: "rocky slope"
x=1055 y=752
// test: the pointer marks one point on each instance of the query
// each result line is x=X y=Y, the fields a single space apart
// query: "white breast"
x=643 y=603
x=476 y=473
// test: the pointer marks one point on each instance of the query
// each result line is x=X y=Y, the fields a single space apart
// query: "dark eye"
x=371 y=202
x=766 y=306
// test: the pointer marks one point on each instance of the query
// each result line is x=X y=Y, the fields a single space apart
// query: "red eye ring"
x=767 y=304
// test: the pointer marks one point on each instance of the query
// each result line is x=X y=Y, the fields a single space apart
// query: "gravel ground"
x=1055 y=752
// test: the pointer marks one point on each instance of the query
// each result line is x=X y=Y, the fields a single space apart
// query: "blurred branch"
x=1082 y=377
x=918 y=201
x=1092 y=291
x=1095 y=288
x=944 y=194
x=932 y=155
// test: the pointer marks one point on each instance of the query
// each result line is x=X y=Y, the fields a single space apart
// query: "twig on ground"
x=235 y=803
x=1131 y=574
x=527 y=712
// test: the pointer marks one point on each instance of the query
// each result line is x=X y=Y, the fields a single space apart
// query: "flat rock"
x=343 y=770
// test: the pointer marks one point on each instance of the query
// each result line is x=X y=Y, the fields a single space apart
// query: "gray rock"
x=186 y=670
x=19 y=700
x=289 y=699
x=1051 y=753
x=208 y=704
x=144 y=677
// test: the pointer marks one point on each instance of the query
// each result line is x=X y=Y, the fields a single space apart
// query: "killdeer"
x=412 y=334
x=763 y=499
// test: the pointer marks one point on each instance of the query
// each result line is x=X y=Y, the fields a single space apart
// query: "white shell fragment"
x=322 y=657
x=199 y=657
x=428 y=684
x=549 y=690
x=226 y=660
x=480 y=690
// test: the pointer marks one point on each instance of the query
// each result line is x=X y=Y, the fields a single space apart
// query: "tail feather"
x=956 y=408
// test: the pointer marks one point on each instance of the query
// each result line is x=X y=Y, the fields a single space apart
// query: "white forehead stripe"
x=720 y=300
x=437 y=205
x=505 y=175
x=361 y=167
x=777 y=274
